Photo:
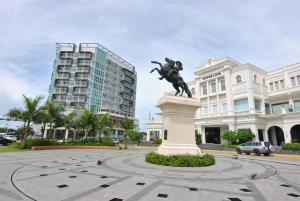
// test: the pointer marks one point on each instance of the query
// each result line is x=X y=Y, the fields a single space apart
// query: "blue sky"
x=264 y=33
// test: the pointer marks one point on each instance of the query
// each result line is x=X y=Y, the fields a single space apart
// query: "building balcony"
x=65 y=62
x=61 y=90
x=83 y=69
x=79 y=99
x=63 y=77
x=66 y=55
x=84 y=62
x=85 y=55
x=64 y=69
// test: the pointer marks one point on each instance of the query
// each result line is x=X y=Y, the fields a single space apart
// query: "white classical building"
x=237 y=96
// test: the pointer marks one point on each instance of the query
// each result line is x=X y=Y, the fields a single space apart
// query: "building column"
x=255 y=131
x=148 y=135
x=273 y=133
x=66 y=134
x=228 y=87
x=263 y=106
x=203 y=134
x=266 y=136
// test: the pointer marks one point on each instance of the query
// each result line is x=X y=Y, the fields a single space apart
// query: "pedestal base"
x=175 y=149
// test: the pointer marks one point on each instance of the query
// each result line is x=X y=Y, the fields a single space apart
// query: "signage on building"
x=211 y=75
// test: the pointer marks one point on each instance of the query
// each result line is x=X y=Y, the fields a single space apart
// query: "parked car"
x=4 y=141
x=255 y=147
x=116 y=140
x=10 y=137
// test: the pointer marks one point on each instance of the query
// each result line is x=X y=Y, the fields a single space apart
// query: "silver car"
x=10 y=137
x=256 y=147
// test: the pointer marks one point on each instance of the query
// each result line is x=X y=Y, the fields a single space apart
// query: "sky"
x=262 y=32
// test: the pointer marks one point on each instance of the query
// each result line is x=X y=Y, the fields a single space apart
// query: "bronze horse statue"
x=170 y=72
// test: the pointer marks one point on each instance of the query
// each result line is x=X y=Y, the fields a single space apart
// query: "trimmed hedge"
x=292 y=146
x=157 y=141
x=180 y=160
x=47 y=142
x=231 y=146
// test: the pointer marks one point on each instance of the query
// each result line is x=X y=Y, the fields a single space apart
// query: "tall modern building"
x=89 y=76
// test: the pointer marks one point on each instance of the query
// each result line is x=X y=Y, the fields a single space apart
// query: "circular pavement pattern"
x=124 y=175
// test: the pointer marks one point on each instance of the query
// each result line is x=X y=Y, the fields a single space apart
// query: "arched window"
x=255 y=78
x=238 y=79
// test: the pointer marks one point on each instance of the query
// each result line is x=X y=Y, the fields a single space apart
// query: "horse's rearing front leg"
x=154 y=70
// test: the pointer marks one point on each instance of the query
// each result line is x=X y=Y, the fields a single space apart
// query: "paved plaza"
x=71 y=175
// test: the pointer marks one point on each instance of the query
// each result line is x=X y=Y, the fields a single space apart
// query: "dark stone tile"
x=104 y=186
x=61 y=169
x=103 y=177
x=234 y=199
x=62 y=186
x=84 y=171
x=72 y=176
x=285 y=185
x=193 y=189
x=42 y=175
x=293 y=195
x=54 y=161
x=44 y=166
x=245 y=190
x=140 y=183
x=78 y=165
x=73 y=159
x=65 y=163
x=116 y=199
x=160 y=195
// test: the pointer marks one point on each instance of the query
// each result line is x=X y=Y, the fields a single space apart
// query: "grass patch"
x=292 y=146
x=231 y=146
x=180 y=160
x=6 y=149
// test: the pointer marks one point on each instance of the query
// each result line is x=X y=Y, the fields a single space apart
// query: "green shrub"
x=293 y=146
x=230 y=136
x=134 y=136
x=35 y=142
x=157 y=141
x=231 y=146
x=89 y=142
x=198 y=138
x=180 y=160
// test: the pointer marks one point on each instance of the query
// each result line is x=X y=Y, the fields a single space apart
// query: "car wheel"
x=266 y=154
x=256 y=152
x=239 y=151
x=247 y=153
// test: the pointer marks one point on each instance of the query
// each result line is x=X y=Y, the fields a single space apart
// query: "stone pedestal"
x=178 y=135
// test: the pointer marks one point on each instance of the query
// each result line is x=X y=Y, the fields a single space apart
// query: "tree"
x=126 y=124
x=104 y=124
x=28 y=115
x=43 y=118
x=245 y=135
x=88 y=122
x=55 y=115
x=134 y=136
x=69 y=122
x=230 y=136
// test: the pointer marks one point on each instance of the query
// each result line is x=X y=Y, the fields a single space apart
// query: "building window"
x=241 y=105
x=276 y=85
x=213 y=87
x=193 y=90
x=297 y=105
x=298 y=79
x=214 y=108
x=222 y=83
x=257 y=104
x=282 y=85
x=224 y=107
x=204 y=89
x=238 y=79
x=271 y=87
x=279 y=108
x=255 y=78
x=293 y=81
x=204 y=110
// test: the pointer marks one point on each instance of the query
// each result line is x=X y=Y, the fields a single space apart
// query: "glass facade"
x=278 y=108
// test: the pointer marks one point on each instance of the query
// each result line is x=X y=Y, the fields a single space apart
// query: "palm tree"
x=70 y=122
x=127 y=124
x=55 y=115
x=88 y=122
x=104 y=124
x=28 y=115
x=43 y=118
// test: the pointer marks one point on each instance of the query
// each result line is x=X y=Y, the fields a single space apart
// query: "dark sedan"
x=4 y=141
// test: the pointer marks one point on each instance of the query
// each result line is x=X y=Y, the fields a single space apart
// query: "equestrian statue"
x=170 y=71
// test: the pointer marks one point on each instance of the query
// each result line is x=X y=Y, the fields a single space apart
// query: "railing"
x=66 y=62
